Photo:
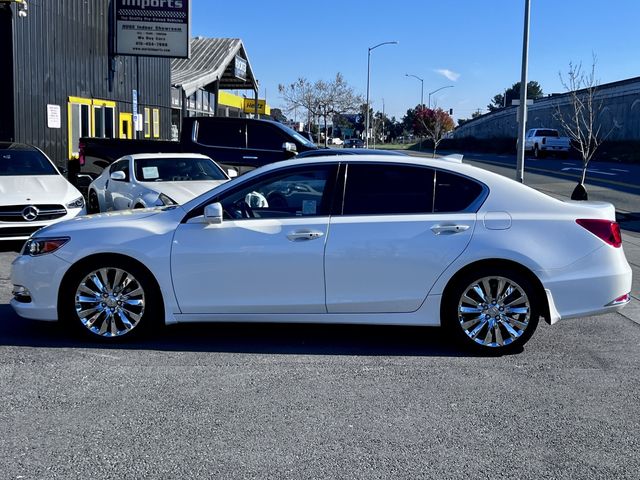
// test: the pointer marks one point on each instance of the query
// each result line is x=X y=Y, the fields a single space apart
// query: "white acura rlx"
x=341 y=239
x=33 y=193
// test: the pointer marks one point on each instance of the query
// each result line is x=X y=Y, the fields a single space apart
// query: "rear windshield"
x=177 y=170
x=548 y=133
x=24 y=162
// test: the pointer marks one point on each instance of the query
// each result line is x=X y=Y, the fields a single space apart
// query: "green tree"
x=534 y=91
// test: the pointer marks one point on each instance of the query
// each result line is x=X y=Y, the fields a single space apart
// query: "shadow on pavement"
x=294 y=339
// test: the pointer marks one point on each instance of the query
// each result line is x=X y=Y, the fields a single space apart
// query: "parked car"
x=353 y=143
x=239 y=143
x=148 y=180
x=33 y=192
x=337 y=141
x=541 y=141
x=378 y=239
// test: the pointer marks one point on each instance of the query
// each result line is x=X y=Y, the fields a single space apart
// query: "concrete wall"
x=620 y=107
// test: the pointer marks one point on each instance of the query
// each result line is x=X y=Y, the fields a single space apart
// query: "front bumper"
x=41 y=276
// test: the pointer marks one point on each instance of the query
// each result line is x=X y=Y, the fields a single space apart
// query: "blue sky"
x=479 y=40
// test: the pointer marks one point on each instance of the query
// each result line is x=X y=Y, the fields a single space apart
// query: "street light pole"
x=366 y=128
x=437 y=90
x=421 y=88
x=522 y=117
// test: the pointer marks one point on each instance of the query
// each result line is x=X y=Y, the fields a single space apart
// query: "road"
x=313 y=401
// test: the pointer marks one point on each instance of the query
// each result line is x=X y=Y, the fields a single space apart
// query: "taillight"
x=606 y=230
x=81 y=159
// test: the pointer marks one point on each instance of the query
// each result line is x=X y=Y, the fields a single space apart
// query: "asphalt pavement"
x=316 y=401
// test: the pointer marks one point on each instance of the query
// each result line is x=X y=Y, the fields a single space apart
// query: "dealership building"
x=64 y=77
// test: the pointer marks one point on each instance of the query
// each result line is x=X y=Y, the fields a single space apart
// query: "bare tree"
x=580 y=119
x=299 y=94
x=322 y=99
x=433 y=124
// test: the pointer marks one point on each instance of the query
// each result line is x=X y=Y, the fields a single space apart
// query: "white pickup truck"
x=540 y=141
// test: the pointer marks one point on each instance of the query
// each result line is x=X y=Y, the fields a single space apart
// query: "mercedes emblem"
x=30 y=213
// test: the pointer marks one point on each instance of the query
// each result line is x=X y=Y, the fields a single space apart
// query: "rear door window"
x=384 y=189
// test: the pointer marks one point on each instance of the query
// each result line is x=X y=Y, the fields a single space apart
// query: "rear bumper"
x=589 y=286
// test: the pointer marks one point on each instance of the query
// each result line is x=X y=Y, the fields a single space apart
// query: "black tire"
x=495 y=316
x=537 y=153
x=144 y=310
x=93 y=204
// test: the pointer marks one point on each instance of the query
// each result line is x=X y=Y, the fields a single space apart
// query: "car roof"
x=326 y=152
x=17 y=146
x=140 y=156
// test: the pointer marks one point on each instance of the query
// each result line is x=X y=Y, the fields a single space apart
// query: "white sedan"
x=33 y=192
x=340 y=239
x=150 y=180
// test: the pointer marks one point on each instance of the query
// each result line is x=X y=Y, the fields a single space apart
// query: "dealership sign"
x=157 y=28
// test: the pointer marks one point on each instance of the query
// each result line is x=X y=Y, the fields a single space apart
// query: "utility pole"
x=522 y=117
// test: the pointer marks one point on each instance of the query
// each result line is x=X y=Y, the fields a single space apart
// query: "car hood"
x=182 y=192
x=98 y=221
x=38 y=189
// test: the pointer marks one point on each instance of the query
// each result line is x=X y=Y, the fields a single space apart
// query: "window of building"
x=156 y=123
x=385 y=189
x=79 y=119
x=104 y=118
x=147 y=122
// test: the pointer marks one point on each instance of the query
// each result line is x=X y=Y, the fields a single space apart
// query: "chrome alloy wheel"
x=110 y=302
x=494 y=311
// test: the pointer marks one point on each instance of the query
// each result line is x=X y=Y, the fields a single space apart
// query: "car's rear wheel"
x=93 y=204
x=492 y=311
x=110 y=299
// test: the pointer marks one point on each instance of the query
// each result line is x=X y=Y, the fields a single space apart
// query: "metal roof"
x=212 y=59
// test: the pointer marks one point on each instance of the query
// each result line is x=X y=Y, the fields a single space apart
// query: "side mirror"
x=290 y=147
x=213 y=213
x=232 y=173
x=118 y=176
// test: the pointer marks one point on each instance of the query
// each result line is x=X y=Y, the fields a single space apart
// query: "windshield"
x=24 y=162
x=177 y=170
x=305 y=141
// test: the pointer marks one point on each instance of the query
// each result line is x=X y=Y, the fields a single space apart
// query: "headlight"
x=77 y=203
x=44 y=245
x=165 y=200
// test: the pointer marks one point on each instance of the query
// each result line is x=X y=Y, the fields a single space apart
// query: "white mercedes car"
x=153 y=179
x=340 y=239
x=33 y=192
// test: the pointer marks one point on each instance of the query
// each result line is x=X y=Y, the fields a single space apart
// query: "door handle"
x=304 y=235
x=439 y=229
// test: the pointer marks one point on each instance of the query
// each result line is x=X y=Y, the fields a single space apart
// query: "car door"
x=396 y=235
x=267 y=254
x=265 y=144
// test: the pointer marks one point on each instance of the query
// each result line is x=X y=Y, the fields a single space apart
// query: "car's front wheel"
x=109 y=299
x=93 y=204
x=492 y=311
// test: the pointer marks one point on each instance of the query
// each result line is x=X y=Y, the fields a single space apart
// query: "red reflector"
x=606 y=230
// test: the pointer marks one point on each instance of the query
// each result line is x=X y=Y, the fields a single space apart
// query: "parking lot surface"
x=296 y=401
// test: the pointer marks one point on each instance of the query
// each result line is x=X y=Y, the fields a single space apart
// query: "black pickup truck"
x=235 y=143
